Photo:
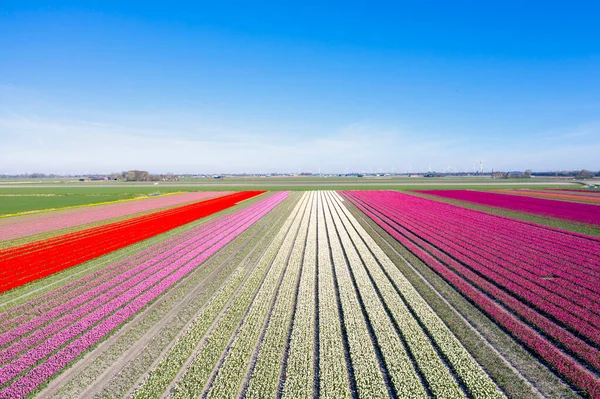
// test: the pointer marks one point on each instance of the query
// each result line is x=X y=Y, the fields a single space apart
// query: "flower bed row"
x=232 y=300
x=584 y=213
x=590 y=198
x=23 y=226
x=392 y=212
x=427 y=337
x=59 y=350
x=30 y=262
x=72 y=311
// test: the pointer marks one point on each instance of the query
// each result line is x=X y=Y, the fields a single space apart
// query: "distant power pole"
x=480 y=166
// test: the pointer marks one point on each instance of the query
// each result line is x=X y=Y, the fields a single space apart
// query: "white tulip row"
x=369 y=380
x=476 y=381
x=165 y=371
x=300 y=374
x=231 y=372
x=403 y=375
x=267 y=370
x=334 y=381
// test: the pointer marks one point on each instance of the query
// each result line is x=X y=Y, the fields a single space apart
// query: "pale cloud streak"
x=188 y=145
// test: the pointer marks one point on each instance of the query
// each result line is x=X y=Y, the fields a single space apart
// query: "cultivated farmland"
x=369 y=294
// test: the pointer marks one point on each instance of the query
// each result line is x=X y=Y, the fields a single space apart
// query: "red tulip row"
x=29 y=262
x=503 y=277
x=28 y=225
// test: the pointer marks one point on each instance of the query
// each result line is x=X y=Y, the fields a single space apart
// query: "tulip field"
x=577 y=212
x=255 y=294
x=584 y=196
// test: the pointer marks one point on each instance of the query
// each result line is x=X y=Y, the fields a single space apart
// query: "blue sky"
x=220 y=87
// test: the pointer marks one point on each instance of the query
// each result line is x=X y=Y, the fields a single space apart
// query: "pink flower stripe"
x=432 y=231
x=582 y=191
x=505 y=275
x=51 y=300
x=27 y=225
x=584 y=213
x=117 y=286
x=72 y=341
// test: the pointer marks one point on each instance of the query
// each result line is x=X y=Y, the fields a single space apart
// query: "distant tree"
x=527 y=173
x=130 y=176
x=584 y=174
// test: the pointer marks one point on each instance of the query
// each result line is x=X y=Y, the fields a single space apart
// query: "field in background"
x=32 y=194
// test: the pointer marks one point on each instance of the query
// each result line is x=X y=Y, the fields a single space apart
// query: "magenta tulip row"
x=507 y=276
x=584 y=213
x=106 y=276
x=97 y=318
x=549 y=237
x=524 y=264
x=27 y=225
x=463 y=266
x=505 y=261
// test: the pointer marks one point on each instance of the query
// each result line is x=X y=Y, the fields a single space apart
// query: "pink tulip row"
x=506 y=275
x=578 y=288
x=592 y=192
x=105 y=277
x=553 y=241
x=96 y=322
x=27 y=225
x=73 y=310
x=584 y=213
x=534 y=251
x=466 y=269
x=118 y=288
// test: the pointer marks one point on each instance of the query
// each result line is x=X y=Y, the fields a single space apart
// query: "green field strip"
x=389 y=278
x=266 y=373
x=405 y=379
x=21 y=294
x=201 y=284
x=299 y=373
x=16 y=204
x=231 y=372
x=562 y=224
x=163 y=373
x=367 y=371
x=334 y=377
x=513 y=369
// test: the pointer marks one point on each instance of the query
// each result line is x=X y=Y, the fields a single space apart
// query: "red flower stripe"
x=26 y=263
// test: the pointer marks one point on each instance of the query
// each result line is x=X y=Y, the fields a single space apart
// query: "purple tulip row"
x=546 y=236
x=584 y=213
x=61 y=298
x=501 y=244
x=498 y=272
x=99 y=301
x=513 y=271
x=73 y=310
x=98 y=322
x=528 y=325
x=574 y=286
x=26 y=225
